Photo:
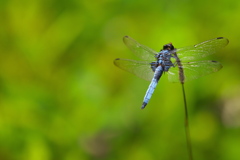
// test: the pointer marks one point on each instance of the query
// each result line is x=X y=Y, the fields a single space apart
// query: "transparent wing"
x=139 y=50
x=194 y=70
x=139 y=68
x=202 y=49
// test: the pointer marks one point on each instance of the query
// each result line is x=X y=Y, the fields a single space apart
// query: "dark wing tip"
x=224 y=38
x=125 y=39
x=115 y=61
x=220 y=65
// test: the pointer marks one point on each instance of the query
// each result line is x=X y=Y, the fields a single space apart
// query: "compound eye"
x=168 y=46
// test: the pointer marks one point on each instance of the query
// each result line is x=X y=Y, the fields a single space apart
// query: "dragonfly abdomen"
x=157 y=74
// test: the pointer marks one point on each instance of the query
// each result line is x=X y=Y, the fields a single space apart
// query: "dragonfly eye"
x=168 y=47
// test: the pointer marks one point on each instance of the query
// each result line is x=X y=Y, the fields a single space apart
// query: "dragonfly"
x=179 y=64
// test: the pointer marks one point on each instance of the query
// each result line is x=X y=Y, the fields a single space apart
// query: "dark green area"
x=61 y=97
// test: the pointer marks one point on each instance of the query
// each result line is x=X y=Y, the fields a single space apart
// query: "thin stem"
x=188 y=138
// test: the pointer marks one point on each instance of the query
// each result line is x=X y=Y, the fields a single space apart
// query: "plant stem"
x=188 y=137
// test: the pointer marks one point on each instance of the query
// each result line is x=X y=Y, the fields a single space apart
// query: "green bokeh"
x=61 y=97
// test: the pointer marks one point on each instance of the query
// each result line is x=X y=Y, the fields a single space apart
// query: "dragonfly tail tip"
x=143 y=105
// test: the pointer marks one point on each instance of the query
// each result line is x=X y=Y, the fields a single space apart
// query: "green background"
x=61 y=97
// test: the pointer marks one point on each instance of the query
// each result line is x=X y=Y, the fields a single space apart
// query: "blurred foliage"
x=62 y=98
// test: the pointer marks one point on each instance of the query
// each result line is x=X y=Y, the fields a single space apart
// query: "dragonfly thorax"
x=163 y=58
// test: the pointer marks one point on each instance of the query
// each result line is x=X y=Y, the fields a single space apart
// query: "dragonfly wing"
x=193 y=70
x=139 y=68
x=202 y=49
x=139 y=50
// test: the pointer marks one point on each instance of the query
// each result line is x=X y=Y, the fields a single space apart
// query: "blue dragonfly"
x=179 y=64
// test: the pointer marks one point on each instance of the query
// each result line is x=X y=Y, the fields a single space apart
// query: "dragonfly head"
x=168 y=47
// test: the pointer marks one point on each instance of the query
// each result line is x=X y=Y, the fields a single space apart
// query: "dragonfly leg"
x=154 y=66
